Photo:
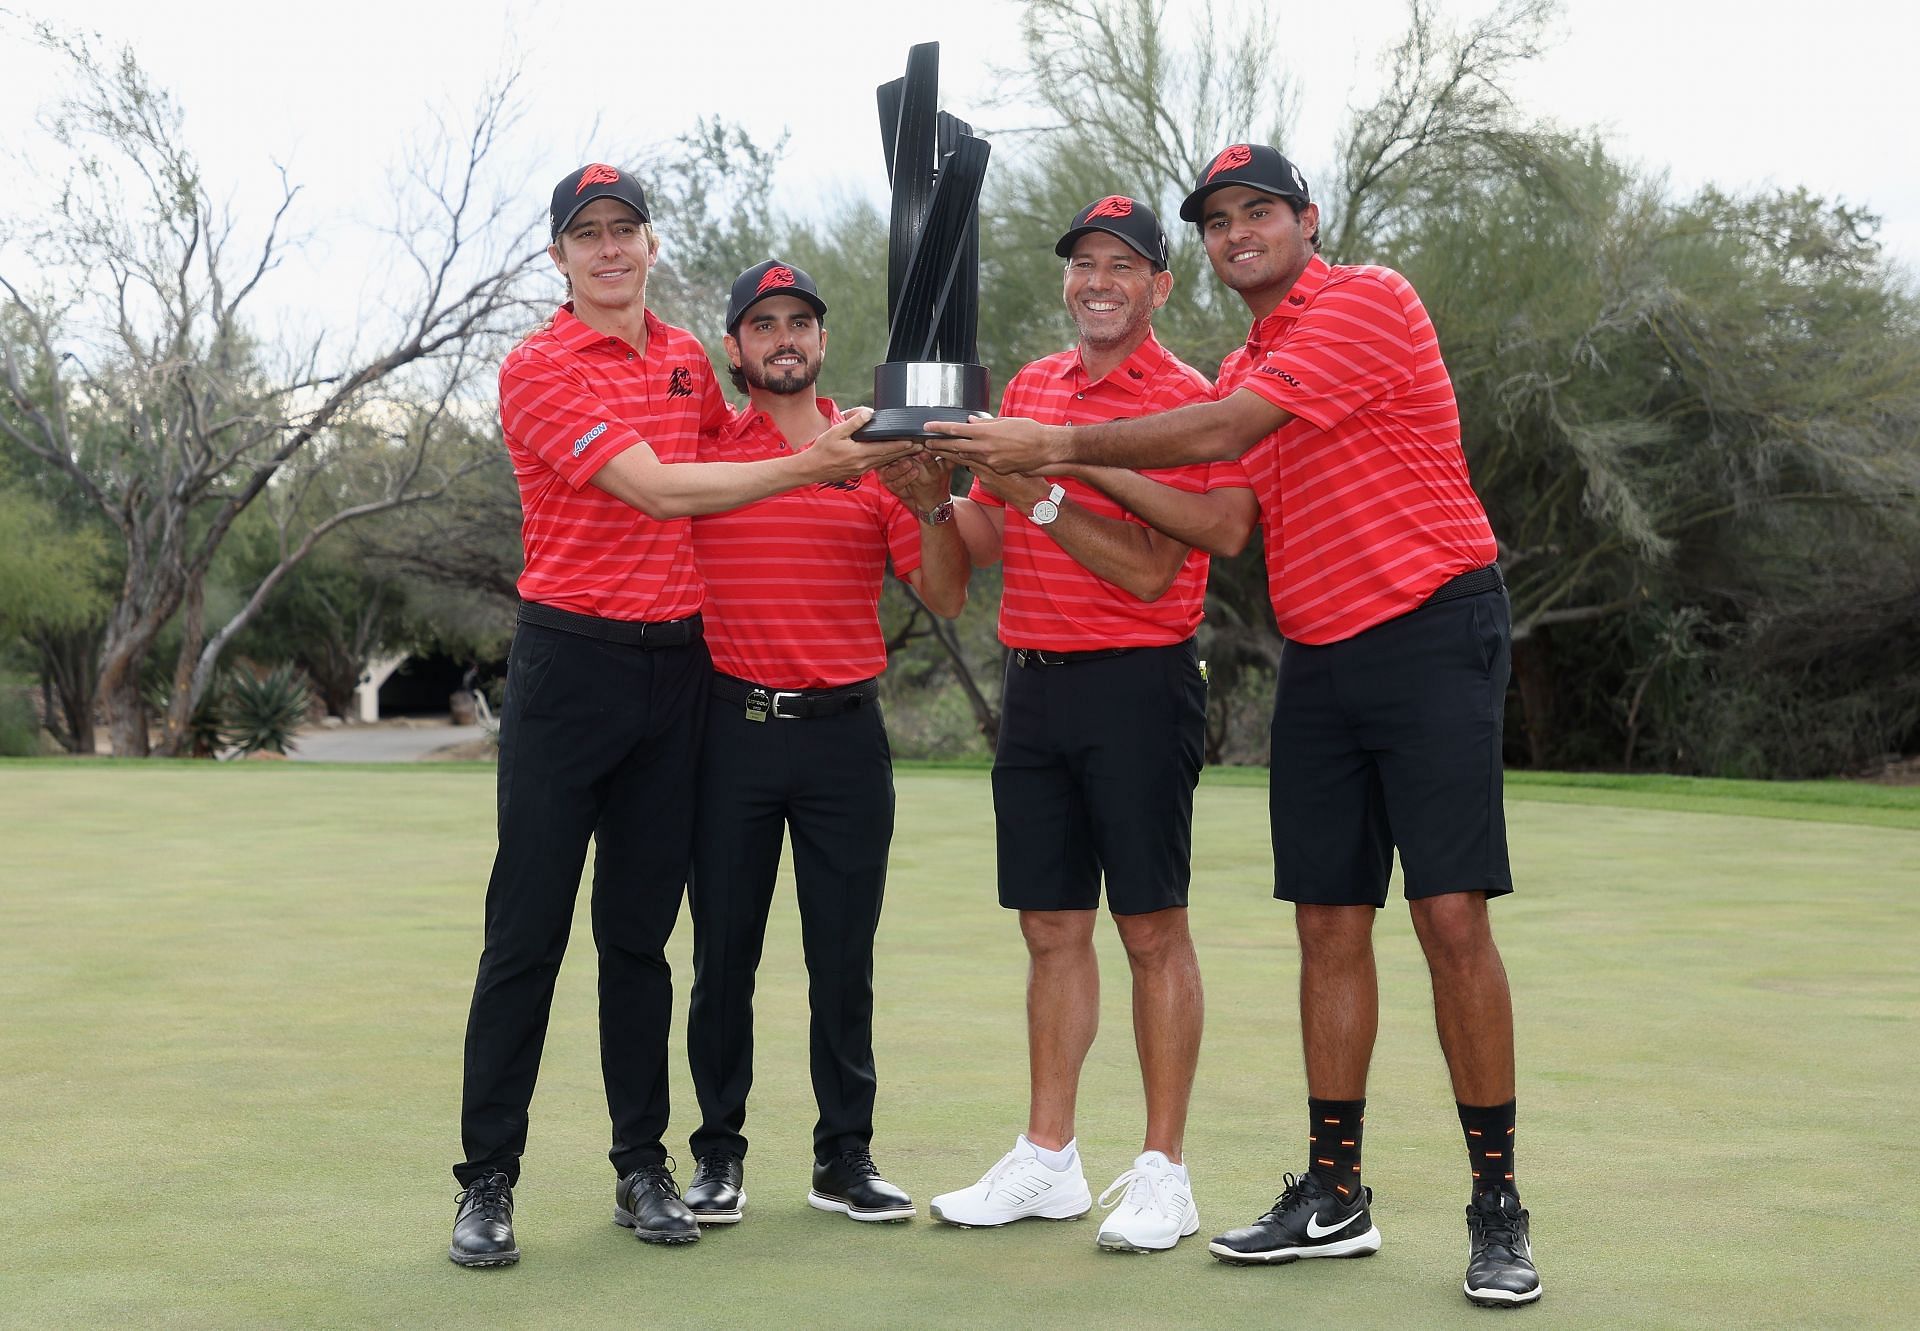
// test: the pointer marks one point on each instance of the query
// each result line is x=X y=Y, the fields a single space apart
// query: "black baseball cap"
x=1117 y=215
x=774 y=277
x=596 y=180
x=1251 y=164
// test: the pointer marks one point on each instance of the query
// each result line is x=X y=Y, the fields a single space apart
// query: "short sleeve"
x=548 y=412
x=903 y=533
x=1350 y=348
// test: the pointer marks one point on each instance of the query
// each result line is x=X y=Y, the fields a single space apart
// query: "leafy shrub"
x=19 y=723
x=931 y=723
x=261 y=712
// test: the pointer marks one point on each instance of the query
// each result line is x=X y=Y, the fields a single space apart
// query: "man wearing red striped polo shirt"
x=606 y=690
x=794 y=741
x=1387 y=715
x=1101 y=741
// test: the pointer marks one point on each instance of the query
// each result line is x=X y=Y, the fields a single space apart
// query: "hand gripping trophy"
x=933 y=258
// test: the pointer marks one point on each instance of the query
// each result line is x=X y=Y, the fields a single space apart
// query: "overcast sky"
x=1742 y=94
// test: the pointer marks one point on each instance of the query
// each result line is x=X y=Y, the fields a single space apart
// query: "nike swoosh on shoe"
x=1315 y=1232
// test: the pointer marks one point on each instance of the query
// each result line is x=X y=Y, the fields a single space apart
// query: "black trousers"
x=597 y=740
x=829 y=780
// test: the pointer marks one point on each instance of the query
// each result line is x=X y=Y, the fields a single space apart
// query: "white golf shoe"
x=1018 y=1187
x=1155 y=1209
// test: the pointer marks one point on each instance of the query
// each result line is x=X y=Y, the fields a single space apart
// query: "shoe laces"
x=491 y=1196
x=1496 y=1226
x=858 y=1160
x=1006 y=1164
x=1296 y=1190
x=714 y=1165
x=1140 y=1188
x=660 y=1177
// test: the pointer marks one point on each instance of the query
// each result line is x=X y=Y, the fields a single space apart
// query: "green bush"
x=261 y=712
x=19 y=724
x=934 y=722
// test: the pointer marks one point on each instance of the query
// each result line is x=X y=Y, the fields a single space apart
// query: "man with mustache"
x=795 y=745
x=1387 y=712
x=1102 y=738
x=602 y=410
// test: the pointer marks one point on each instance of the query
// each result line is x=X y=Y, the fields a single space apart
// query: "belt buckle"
x=780 y=715
x=759 y=704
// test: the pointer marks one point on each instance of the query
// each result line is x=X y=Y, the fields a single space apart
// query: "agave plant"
x=263 y=711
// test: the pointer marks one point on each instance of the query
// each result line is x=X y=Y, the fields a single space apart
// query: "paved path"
x=383 y=742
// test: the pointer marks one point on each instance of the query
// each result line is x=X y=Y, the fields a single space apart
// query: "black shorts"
x=1391 y=740
x=1095 y=771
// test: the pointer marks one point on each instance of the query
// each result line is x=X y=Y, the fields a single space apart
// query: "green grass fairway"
x=232 y=1001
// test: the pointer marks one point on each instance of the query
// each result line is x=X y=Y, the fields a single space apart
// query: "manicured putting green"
x=233 y=1000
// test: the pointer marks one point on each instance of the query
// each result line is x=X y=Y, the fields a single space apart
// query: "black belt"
x=1470 y=583
x=1033 y=656
x=627 y=632
x=762 y=702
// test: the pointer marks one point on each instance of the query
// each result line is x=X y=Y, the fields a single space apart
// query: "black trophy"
x=933 y=258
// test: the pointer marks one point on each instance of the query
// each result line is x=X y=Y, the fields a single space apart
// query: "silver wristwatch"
x=939 y=513
x=1049 y=508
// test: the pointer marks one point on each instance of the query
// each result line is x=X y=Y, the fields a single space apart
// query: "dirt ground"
x=486 y=751
x=1895 y=772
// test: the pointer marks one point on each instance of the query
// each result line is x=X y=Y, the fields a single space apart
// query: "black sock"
x=1489 y=1130
x=1333 y=1142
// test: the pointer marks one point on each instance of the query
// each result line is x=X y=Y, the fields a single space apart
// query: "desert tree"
x=138 y=369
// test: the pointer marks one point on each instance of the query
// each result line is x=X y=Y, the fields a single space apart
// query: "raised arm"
x=549 y=410
x=1202 y=432
x=659 y=489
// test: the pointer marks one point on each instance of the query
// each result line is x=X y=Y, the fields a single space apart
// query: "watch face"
x=1044 y=512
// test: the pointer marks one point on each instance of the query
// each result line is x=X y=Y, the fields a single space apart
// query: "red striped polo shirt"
x=1049 y=600
x=570 y=399
x=1365 y=503
x=793 y=582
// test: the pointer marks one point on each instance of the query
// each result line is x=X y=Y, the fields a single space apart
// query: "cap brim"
x=1191 y=207
x=599 y=192
x=1064 y=246
x=819 y=305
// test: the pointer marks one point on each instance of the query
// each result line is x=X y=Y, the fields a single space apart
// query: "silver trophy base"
x=908 y=394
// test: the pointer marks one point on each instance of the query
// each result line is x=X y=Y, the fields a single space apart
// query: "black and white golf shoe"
x=1500 y=1270
x=1309 y=1219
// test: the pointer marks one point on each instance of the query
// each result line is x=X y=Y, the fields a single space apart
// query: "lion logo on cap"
x=597 y=174
x=775 y=277
x=1114 y=205
x=1230 y=159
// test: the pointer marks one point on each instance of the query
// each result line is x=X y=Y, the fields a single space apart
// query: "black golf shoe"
x=850 y=1183
x=647 y=1203
x=1308 y=1219
x=483 y=1226
x=1500 y=1270
x=717 y=1195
